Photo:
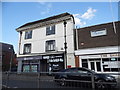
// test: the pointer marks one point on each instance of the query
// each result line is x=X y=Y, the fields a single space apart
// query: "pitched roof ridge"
x=45 y=19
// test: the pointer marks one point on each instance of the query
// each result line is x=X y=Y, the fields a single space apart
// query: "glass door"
x=95 y=66
x=92 y=66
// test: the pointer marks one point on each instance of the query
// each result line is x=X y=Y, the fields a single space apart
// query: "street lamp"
x=65 y=44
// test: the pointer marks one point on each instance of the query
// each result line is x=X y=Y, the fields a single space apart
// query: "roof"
x=46 y=19
x=4 y=47
x=98 y=25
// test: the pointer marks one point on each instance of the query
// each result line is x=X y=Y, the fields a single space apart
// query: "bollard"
x=7 y=81
x=93 y=82
x=39 y=80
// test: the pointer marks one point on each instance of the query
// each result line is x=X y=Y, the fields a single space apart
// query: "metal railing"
x=47 y=80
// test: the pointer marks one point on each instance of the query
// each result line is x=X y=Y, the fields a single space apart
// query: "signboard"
x=56 y=60
x=98 y=33
x=52 y=56
x=30 y=58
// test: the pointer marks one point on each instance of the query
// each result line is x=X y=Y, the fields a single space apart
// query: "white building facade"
x=103 y=59
x=41 y=44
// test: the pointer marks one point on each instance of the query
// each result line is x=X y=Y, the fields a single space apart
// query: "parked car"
x=84 y=74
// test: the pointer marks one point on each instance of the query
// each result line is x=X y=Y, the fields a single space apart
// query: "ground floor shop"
x=41 y=63
x=100 y=61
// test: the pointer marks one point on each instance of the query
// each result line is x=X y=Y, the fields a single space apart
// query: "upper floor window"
x=28 y=34
x=50 y=30
x=50 y=45
x=27 y=48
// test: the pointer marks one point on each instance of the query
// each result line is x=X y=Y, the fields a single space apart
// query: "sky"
x=15 y=14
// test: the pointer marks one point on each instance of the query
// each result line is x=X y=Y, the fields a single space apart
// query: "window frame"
x=27 y=46
x=50 y=30
x=48 y=46
x=28 y=34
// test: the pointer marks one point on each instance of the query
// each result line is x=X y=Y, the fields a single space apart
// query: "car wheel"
x=62 y=82
x=100 y=84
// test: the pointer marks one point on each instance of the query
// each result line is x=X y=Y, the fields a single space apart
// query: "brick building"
x=98 y=47
x=7 y=55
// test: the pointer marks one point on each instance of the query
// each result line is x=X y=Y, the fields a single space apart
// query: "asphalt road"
x=32 y=81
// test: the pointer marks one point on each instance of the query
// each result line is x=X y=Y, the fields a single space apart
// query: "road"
x=32 y=81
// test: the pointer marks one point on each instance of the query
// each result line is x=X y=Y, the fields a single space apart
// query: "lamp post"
x=10 y=59
x=65 y=44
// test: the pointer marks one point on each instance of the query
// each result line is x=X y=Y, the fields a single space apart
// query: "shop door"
x=95 y=66
x=43 y=65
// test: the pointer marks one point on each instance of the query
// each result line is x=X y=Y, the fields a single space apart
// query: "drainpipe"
x=76 y=38
x=20 y=41
x=65 y=44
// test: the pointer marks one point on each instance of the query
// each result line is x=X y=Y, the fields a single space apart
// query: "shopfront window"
x=26 y=68
x=30 y=65
x=98 y=65
x=110 y=64
x=34 y=68
x=84 y=63
x=105 y=62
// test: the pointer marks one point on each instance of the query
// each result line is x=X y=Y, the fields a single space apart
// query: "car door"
x=84 y=75
x=72 y=74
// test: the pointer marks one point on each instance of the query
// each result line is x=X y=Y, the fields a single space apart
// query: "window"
x=50 y=30
x=110 y=64
x=84 y=63
x=27 y=48
x=28 y=34
x=50 y=45
x=26 y=68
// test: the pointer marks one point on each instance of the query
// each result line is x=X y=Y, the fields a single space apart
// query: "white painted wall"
x=39 y=39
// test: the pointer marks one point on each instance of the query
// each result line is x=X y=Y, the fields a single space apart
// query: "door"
x=43 y=65
x=95 y=66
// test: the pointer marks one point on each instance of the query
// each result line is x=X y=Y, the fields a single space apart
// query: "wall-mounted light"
x=82 y=43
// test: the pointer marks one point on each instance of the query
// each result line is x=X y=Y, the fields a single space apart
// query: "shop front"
x=54 y=62
x=29 y=63
x=30 y=66
x=43 y=63
x=101 y=62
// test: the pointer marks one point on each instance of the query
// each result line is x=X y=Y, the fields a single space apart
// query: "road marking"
x=5 y=86
x=15 y=87
x=8 y=87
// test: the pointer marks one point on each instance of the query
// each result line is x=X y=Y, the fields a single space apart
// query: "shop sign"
x=56 y=60
x=30 y=58
x=115 y=55
x=104 y=55
x=52 y=56
x=45 y=57
x=90 y=56
x=113 y=59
